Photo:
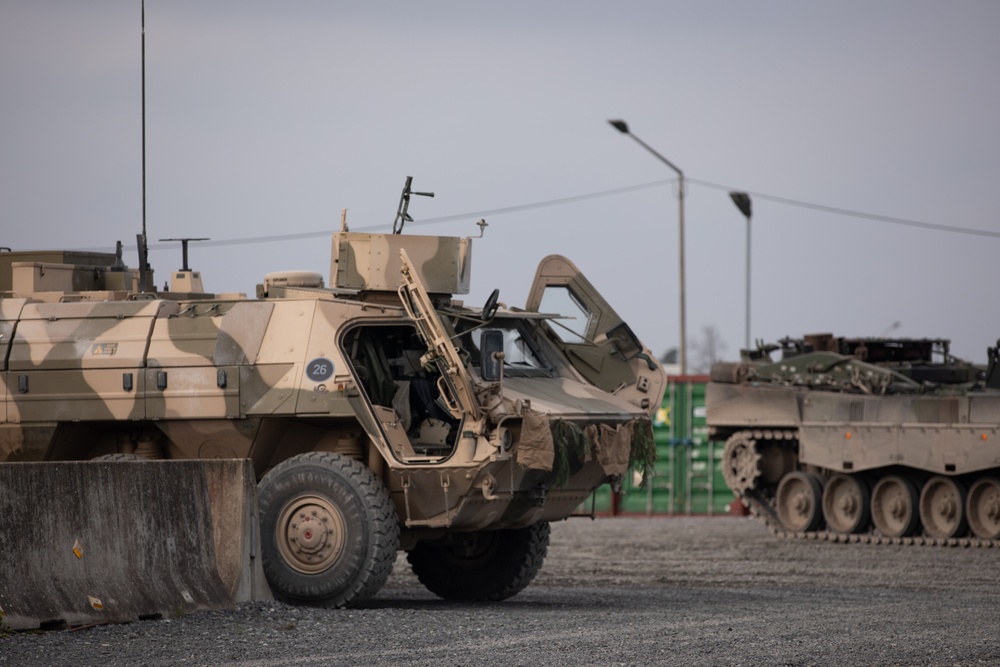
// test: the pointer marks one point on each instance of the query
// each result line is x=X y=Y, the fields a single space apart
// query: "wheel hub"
x=947 y=508
x=310 y=534
x=848 y=504
x=993 y=508
x=897 y=508
x=801 y=503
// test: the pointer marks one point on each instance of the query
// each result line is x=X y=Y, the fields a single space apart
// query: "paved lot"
x=670 y=591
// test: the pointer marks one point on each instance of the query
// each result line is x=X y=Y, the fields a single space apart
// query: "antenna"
x=141 y=238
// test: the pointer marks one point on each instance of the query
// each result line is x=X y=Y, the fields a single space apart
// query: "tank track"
x=761 y=509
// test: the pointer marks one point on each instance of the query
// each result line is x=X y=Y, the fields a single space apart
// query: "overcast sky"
x=267 y=118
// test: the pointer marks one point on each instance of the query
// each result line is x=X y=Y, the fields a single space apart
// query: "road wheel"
x=846 y=504
x=942 y=507
x=798 y=501
x=484 y=565
x=983 y=508
x=329 y=531
x=894 y=506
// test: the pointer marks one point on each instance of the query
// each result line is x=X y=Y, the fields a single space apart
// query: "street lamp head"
x=742 y=201
x=619 y=125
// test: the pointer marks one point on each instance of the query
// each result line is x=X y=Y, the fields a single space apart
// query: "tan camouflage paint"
x=640 y=380
x=268 y=379
x=89 y=261
x=372 y=261
x=940 y=434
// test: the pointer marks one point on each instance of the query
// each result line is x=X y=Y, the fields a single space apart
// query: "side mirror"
x=491 y=355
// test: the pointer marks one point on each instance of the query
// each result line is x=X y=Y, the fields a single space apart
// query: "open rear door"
x=598 y=343
x=454 y=383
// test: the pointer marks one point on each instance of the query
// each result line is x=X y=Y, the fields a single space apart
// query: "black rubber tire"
x=488 y=565
x=369 y=535
x=117 y=457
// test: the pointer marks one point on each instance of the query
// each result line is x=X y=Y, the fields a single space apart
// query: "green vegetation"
x=4 y=628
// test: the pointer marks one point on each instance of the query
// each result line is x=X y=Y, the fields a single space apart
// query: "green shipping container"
x=687 y=477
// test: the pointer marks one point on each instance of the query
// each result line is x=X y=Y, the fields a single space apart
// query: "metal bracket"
x=437 y=523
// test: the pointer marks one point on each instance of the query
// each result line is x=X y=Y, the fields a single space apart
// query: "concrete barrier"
x=108 y=542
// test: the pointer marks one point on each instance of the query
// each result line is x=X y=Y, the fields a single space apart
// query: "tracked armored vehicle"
x=857 y=439
x=379 y=412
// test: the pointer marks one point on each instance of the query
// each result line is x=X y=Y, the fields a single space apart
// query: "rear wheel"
x=329 y=532
x=484 y=565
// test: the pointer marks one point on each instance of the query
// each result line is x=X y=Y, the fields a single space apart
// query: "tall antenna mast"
x=141 y=239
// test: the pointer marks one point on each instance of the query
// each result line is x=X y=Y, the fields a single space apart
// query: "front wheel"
x=329 y=531
x=484 y=565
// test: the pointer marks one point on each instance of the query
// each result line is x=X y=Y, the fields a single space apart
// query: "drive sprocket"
x=741 y=462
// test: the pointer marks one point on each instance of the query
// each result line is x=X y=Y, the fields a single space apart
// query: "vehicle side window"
x=518 y=351
x=522 y=358
x=573 y=327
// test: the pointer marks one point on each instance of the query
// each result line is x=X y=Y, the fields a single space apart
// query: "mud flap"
x=110 y=542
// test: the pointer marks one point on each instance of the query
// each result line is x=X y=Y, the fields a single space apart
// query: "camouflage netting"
x=643 y=454
x=570 y=437
x=547 y=445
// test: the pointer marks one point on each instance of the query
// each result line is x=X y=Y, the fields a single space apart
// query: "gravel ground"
x=679 y=591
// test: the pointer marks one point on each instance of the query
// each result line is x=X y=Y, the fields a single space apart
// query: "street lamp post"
x=742 y=201
x=622 y=127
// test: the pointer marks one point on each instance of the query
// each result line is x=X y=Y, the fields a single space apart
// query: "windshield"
x=522 y=356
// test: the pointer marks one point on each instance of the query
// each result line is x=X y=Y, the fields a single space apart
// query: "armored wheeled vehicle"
x=862 y=439
x=379 y=412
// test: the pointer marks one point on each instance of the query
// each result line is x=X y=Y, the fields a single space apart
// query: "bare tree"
x=707 y=349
